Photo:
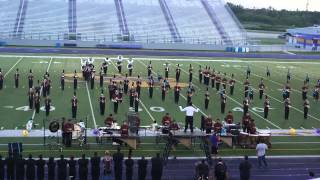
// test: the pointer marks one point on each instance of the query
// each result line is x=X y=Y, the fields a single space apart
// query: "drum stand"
x=54 y=143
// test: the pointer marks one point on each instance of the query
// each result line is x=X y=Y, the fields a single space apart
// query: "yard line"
x=12 y=67
x=144 y=107
x=180 y=93
x=90 y=103
x=34 y=111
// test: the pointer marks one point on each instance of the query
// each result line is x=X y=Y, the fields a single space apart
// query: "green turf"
x=11 y=118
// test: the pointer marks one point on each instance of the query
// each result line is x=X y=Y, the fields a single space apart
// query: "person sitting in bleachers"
x=217 y=126
x=245 y=122
x=208 y=124
x=124 y=130
x=109 y=121
x=229 y=118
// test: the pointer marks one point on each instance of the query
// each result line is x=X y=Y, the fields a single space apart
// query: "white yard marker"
x=90 y=103
x=12 y=67
x=47 y=70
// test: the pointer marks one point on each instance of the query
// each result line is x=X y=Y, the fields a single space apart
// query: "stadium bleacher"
x=154 y=21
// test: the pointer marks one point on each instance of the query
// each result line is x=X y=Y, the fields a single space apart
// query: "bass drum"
x=54 y=126
x=76 y=133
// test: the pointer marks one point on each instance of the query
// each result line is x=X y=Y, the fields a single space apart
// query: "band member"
x=217 y=126
x=102 y=101
x=166 y=71
x=190 y=92
x=248 y=72
x=306 y=107
x=151 y=84
x=223 y=103
x=130 y=66
x=190 y=110
x=30 y=79
x=101 y=78
x=47 y=105
x=124 y=130
x=37 y=103
x=138 y=86
x=287 y=104
x=246 y=103
x=190 y=73
x=68 y=128
x=250 y=93
x=261 y=88
x=126 y=84
x=75 y=80
x=105 y=65
x=16 y=78
x=92 y=77
x=224 y=81
x=304 y=91
x=208 y=124
x=229 y=118
x=177 y=90
x=268 y=72
x=286 y=91
x=252 y=127
x=136 y=102
x=1 y=79
x=200 y=74
x=120 y=89
x=115 y=100
x=206 y=76
x=315 y=93
x=163 y=91
x=149 y=69
x=31 y=98
x=307 y=80
x=119 y=63
x=206 y=99
x=166 y=120
x=132 y=93
x=218 y=81
x=266 y=107
x=109 y=121
x=178 y=72
x=62 y=80
x=245 y=122
x=288 y=76
x=232 y=83
x=246 y=88
x=74 y=105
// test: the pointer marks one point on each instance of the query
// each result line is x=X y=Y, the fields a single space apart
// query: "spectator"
x=107 y=166
x=142 y=168
x=202 y=170
x=95 y=167
x=51 y=168
x=117 y=161
x=129 y=167
x=157 y=166
x=72 y=168
x=62 y=168
x=220 y=170
x=245 y=167
x=261 y=153
x=40 y=163
x=10 y=167
x=30 y=173
x=83 y=167
x=19 y=163
x=2 y=165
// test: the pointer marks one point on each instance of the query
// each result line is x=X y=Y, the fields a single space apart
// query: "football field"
x=14 y=101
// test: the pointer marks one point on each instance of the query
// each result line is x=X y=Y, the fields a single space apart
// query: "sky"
x=314 y=5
